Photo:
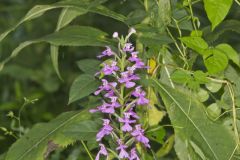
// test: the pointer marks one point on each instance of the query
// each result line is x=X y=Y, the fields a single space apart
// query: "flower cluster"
x=121 y=96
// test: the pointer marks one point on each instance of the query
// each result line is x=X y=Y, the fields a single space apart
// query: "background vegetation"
x=192 y=45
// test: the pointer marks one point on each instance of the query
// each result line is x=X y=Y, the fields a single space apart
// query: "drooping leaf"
x=196 y=43
x=89 y=66
x=229 y=52
x=215 y=60
x=70 y=36
x=213 y=110
x=181 y=76
x=34 y=144
x=66 y=16
x=83 y=85
x=217 y=10
x=191 y=123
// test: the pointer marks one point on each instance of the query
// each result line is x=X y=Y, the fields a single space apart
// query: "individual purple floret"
x=131 y=113
x=140 y=95
x=104 y=108
x=133 y=154
x=110 y=69
x=138 y=133
x=127 y=121
x=106 y=86
x=107 y=52
x=127 y=78
x=128 y=47
x=102 y=151
x=114 y=102
x=122 y=147
x=105 y=130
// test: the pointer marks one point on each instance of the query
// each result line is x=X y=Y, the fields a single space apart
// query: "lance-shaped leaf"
x=70 y=36
x=44 y=137
x=192 y=125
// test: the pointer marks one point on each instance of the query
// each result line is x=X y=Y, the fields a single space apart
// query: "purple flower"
x=127 y=78
x=110 y=69
x=106 y=86
x=126 y=120
x=114 y=102
x=109 y=94
x=123 y=153
x=105 y=130
x=102 y=151
x=138 y=133
x=128 y=47
x=131 y=113
x=133 y=155
x=134 y=57
x=140 y=95
x=104 y=108
x=107 y=52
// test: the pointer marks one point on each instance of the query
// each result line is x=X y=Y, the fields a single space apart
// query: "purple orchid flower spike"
x=102 y=151
x=107 y=52
x=128 y=47
x=106 y=86
x=110 y=69
x=138 y=133
x=106 y=130
x=133 y=154
x=126 y=120
x=123 y=153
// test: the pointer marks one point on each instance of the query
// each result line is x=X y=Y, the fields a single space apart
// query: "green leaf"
x=102 y=10
x=213 y=86
x=83 y=85
x=196 y=43
x=85 y=130
x=225 y=26
x=181 y=76
x=215 y=60
x=77 y=36
x=200 y=77
x=166 y=148
x=214 y=110
x=191 y=124
x=202 y=95
x=34 y=145
x=89 y=66
x=217 y=10
x=229 y=52
x=66 y=16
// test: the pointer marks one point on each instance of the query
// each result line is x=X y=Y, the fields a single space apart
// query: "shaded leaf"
x=89 y=66
x=83 y=85
x=229 y=52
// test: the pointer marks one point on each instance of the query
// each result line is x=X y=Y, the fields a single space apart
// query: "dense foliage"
x=183 y=104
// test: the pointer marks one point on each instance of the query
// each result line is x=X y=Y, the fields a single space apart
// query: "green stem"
x=191 y=12
x=87 y=150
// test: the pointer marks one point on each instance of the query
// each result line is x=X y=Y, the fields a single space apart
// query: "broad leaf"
x=229 y=52
x=89 y=66
x=217 y=10
x=85 y=130
x=83 y=85
x=34 y=145
x=215 y=60
x=196 y=43
x=191 y=124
